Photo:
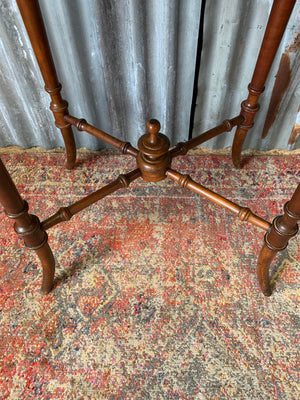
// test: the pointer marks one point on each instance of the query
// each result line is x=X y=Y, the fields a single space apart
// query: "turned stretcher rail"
x=82 y=125
x=66 y=213
x=228 y=124
x=153 y=157
x=243 y=213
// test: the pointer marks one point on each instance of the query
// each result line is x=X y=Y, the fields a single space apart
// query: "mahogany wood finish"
x=34 y=25
x=183 y=147
x=66 y=213
x=82 y=125
x=27 y=226
x=283 y=228
x=279 y=17
x=153 y=157
x=243 y=213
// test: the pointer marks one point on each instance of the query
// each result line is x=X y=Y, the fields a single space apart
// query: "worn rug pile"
x=156 y=295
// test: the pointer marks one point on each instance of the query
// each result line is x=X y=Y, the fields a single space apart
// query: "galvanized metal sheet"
x=232 y=36
x=122 y=63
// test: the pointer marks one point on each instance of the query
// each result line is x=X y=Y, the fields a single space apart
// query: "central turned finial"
x=153 y=159
x=153 y=127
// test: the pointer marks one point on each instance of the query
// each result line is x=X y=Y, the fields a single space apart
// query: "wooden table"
x=153 y=156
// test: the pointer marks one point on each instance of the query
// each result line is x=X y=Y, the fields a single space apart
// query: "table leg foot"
x=27 y=226
x=237 y=146
x=265 y=259
x=283 y=228
x=70 y=147
x=45 y=255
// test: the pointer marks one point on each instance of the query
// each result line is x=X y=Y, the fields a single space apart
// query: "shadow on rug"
x=156 y=292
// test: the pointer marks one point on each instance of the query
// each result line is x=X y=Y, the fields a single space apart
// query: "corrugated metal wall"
x=123 y=62
x=232 y=36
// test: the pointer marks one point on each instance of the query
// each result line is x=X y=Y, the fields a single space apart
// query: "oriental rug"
x=156 y=295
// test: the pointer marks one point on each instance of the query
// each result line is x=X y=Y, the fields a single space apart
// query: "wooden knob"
x=153 y=127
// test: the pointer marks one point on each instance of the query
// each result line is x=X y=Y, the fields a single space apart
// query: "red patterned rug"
x=156 y=292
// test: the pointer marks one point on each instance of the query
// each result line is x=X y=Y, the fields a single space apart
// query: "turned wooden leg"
x=283 y=228
x=34 y=25
x=27 y=226
x=277 y=23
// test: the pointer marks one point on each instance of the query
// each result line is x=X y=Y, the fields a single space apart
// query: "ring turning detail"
x=153 y=156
